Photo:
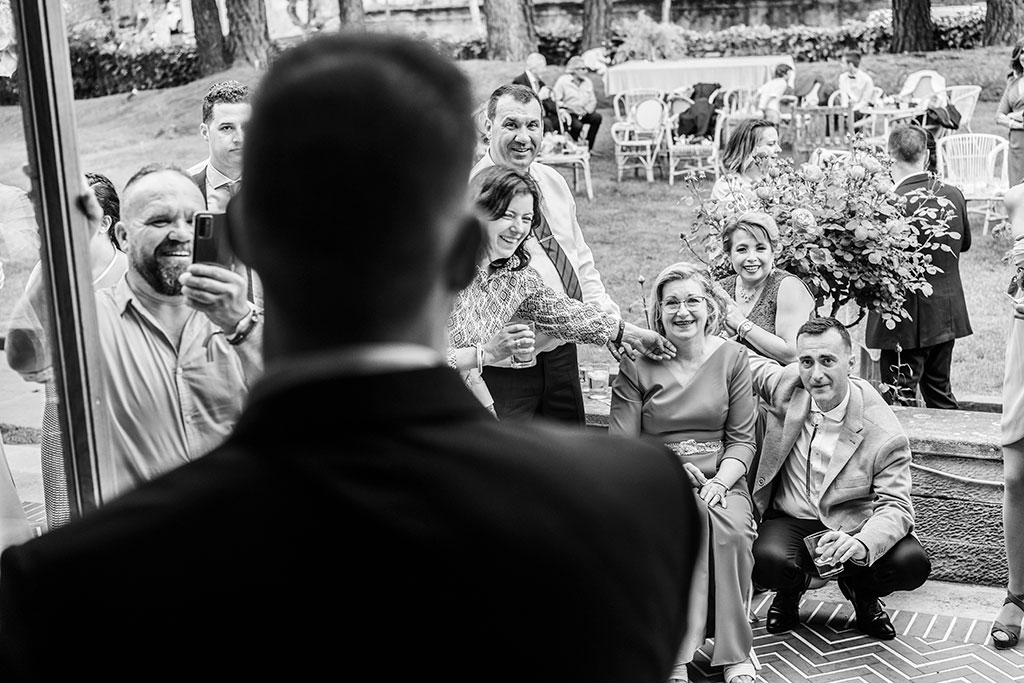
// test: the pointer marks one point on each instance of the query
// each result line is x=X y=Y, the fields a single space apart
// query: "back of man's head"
x=356 y=161
x=852 y=57
x=908 y=144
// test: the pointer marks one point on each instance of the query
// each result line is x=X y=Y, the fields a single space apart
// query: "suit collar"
x=344 y=403
x=913 y=179
x=850 y=437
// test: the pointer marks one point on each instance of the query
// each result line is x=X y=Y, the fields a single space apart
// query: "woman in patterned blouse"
x=506 y=289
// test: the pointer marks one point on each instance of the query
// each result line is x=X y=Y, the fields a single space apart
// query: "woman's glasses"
x=693 y=303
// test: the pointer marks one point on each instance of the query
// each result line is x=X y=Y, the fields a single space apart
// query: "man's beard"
x=162 y=277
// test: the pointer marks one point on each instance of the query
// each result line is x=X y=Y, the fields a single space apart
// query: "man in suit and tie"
x=226 y=112
x=834 y=459
x=918 y=352
x=559 y=253
x=531 y=79
x=367 y=514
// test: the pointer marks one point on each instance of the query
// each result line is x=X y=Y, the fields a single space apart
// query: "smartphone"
x=210 y=244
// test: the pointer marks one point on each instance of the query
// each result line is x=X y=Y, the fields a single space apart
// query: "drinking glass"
x=524 y=360
x=825 y=570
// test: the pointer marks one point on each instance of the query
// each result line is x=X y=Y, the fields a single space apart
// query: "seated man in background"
x=531 y=79
x=769 y=95
x=574 y=93
x=364 y=483
x=855 y=84
x=834 y=459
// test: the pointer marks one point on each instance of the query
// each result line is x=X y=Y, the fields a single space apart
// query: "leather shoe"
x=872 y=620
x=784 y=614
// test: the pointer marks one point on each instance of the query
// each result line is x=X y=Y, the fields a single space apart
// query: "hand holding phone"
x=210 y=243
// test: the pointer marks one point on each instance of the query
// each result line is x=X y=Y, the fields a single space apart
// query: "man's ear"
x=121 y=233
x=204 y=130
x=460 y=266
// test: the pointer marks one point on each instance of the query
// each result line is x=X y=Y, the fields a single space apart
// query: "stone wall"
x=957 y=489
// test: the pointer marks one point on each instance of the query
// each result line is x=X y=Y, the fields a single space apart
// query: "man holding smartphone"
x=180 y=343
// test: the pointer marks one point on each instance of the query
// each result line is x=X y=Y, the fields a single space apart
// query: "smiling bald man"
x=180 y=343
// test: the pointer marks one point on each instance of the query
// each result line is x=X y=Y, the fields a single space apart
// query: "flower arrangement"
x=843 y=230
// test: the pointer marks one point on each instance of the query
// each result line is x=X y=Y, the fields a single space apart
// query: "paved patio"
x=929 y=648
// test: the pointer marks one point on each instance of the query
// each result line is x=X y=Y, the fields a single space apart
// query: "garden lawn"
x=633 y=227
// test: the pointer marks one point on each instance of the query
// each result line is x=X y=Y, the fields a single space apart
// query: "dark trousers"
x=576 y=125
x=782 y=563
x=927 y=367
x=550 y=389
x=550 y=116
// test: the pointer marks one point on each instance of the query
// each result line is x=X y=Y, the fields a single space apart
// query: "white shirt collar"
x=837 y=414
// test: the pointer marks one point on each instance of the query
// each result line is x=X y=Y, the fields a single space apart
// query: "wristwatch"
x=743 y=329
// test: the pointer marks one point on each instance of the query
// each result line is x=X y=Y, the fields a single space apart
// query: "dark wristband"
x=622 y=328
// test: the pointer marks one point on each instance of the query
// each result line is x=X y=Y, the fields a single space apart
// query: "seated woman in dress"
x=507 y=289
x=753 y=145
x=765 y=306
x=700 y=404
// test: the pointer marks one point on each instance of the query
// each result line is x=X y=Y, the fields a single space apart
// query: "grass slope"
x=632 y=226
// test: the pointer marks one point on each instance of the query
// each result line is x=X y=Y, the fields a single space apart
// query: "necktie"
x=816 y=419
x=558 y=257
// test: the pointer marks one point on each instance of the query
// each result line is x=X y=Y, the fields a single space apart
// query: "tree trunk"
x=510 y=29
x=351 y=14
x=597 y=22
x=209 y=37
x=1004 y=22
x=912 y=28
x=666 y=11
x=248 y=38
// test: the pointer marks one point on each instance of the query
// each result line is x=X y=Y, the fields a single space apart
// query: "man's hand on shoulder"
x=217 y=292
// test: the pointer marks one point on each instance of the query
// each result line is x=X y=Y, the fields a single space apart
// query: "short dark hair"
x=782 y=69
x=819 y=326
x=908 y=143
x=852 y=56
x=224 y=92
x=493 y=189
x=519 y=93
x=106 y=195
x=378 y=120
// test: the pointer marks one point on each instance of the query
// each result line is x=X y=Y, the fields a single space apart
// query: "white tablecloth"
x=730 y=72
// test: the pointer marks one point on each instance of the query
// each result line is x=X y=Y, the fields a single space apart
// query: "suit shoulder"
x=876 y=410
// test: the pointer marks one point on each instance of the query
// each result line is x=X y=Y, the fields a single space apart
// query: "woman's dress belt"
x=691 y=447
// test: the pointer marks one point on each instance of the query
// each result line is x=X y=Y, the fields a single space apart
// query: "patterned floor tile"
x=827 y=648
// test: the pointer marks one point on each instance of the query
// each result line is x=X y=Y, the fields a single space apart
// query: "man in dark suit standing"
x=367 y=516
x=919 y=351
x=531 y=79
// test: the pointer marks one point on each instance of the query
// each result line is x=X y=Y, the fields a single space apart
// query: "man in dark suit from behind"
x=367 y=516
x=919 y=351
x=530 y=77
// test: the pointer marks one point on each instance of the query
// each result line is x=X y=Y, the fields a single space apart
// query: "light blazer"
x=866 y=491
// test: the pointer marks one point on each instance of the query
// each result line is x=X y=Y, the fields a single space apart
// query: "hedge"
x=98 y=69
x=644 y=38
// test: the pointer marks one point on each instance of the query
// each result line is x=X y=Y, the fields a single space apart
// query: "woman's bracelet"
x=622 y=329
x=716 y=480
x=480 y=358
